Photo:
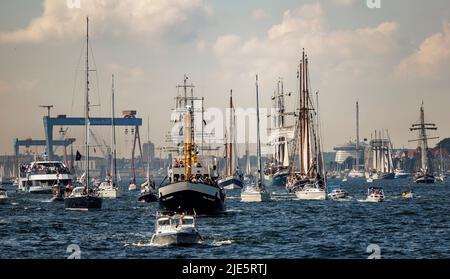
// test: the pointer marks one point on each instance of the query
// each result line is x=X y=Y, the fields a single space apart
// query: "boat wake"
x=217 y=243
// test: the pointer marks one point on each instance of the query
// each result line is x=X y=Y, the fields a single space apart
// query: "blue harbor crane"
x=129 y=120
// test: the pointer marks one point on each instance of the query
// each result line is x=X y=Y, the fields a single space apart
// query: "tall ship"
x=424 y=171
x=379 y=163
x=40 y=176
x=233 y=178
x=280 y=136
x=308 y=182
x=192 y=186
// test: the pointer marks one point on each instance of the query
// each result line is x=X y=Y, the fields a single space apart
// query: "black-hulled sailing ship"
x=233 y=178
x=84 y=198
x=424 y=173
x=191 y=187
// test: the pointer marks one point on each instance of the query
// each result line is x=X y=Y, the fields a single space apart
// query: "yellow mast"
x=188 y=146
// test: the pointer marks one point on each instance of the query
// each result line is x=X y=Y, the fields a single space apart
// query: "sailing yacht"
x=379 y=163
x=441 y=176
x=232 y=179
x=309 y=182
x=84 y=198
x=148 y=191
x=280 y=136
x=108 y=188
x=248 y=177
x=191 y=186
x=257 y=192
x=425 y=173
x=356 y=172
x=3 y=195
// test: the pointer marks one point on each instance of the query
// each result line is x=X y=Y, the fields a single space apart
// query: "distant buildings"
x=148 y=151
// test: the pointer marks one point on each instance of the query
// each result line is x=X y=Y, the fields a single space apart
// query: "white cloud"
x=431 y=60
x=259 y=14
x=147 y=19
x=351 y=53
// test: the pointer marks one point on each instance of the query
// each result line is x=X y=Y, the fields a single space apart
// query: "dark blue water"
x=32 y=227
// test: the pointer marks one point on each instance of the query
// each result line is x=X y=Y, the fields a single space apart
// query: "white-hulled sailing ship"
x=308 y=182
x=256 y=192
x=356 y=172
x=191 y=186
x=233 y=178
x=424 y=173
x=277 y=170
x=109 y=188
x=84 y=198
x=379 y=163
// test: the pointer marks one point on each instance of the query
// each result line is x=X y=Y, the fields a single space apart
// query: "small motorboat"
x=311 y=191
x=369 y=180
x=3 y=195
x=132 y=186
x=148 y=192
x=375 y=194
x=441 y=178
x=176 y=229
x=337 y=193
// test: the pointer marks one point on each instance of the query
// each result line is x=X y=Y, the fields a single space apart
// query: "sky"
x=390 y=59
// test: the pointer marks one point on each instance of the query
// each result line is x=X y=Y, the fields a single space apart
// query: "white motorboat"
x=369 y=180
x=132 y=186
x=400 y=174
x=337 y=193
x=3 y=195
x=311 y=192
x=375 y=194
x=441 y=178
x=39 y=177
x=178 y=229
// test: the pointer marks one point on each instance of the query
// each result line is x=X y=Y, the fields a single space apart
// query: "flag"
x=78 y=157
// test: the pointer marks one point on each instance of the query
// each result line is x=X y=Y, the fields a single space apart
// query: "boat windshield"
x=164 y=222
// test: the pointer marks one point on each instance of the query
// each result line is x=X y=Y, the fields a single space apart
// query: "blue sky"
x=390 y=59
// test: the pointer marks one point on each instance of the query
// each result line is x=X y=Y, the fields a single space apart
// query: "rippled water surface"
x=33 y=227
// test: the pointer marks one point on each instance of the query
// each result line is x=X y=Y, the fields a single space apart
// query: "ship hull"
x=231 y=183
x=279 y=179
x=425 y=179
x=192 y=198
x=83 y=203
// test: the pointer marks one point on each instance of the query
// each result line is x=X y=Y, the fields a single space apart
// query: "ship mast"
x=357 y=137
x=87 y=121
x=422 y=127
x=113 y=136
x=260 y=176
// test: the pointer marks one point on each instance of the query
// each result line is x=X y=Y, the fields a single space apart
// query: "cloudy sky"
x=390 y=59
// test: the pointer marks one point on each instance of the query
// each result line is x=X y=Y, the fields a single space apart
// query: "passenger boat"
x=337 y=193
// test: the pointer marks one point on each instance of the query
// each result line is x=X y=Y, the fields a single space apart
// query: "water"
x=32 y=227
